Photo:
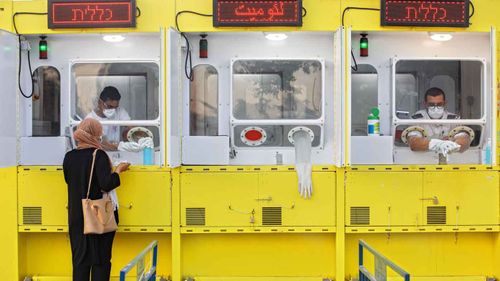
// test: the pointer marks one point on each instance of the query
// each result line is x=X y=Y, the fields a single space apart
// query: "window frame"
x=217 y=96
x=234 y=122
x=317 y=121
x=484 y=103
x=351 y=102
x=158 y=122
x=58 y=106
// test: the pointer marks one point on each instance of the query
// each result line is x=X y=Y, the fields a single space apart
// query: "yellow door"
x=144 y=198
x=281 y=204
x=42 y=197
x=461 y=198
x=383 y=198
x=219 y=199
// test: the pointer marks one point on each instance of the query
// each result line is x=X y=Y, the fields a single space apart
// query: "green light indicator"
x=363 y=45
x=43 y=48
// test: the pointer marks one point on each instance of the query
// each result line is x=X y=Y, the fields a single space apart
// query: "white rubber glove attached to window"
x=129 y=146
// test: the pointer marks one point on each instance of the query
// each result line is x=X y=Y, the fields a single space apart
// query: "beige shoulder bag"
x=98 y=215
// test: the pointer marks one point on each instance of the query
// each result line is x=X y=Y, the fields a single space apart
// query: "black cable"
x=304 y=12
x=355 y=67
x=20 y=55
x=138 y=13
x=356 y=8
x=473 y=9
x=188 y=68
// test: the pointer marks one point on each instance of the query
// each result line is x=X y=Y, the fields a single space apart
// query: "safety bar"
x=138 y=261
x=398 y=122
x=152 y=123
x=381 y=264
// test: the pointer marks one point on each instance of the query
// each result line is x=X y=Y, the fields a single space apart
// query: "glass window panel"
x=406 y=95
x=277 y=89
x=203 y=101
x=137 y=83
x=460 y=80
x=364 y=97
x=46 y=116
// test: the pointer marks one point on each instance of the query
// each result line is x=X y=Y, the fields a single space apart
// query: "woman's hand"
x=122 y=167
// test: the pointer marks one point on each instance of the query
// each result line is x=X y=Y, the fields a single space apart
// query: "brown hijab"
x=88 y=133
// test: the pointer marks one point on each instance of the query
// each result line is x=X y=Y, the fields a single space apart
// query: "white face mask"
x=435 y=112
x=109 y=113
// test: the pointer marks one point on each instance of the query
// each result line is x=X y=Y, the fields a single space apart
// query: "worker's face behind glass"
x=435 y=106
x=109 y=104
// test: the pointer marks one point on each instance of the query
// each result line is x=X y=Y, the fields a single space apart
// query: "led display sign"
x=91 y=13
x=425 y=13
x=257 y=13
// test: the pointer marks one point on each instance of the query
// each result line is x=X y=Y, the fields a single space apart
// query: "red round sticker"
x=253 y=135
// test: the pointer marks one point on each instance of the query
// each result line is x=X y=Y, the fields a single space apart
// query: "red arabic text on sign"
x=230 y=12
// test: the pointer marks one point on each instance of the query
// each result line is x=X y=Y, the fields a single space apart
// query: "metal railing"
x=381 y=264
x=138 y=261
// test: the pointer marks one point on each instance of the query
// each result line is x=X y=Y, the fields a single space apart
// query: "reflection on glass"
x=364 y=96
x=203 y=101
x=460 y=80
x=138 y=84
x=406 y=95
x=46 y=102
x=277 y=89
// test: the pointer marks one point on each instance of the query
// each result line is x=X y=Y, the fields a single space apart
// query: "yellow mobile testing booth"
x=250 y=103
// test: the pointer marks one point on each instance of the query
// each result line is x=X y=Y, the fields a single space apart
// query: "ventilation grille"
x=360 y=215
x=436 y=215
x=271 y=216
x=32 y=215
x=195 y=216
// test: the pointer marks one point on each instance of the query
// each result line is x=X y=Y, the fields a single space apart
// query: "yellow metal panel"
x=144 y=198
x=423 y=229
x=6 y=15
x=281 y=190
x=393 y=198
x=496 y=255
x=267 y=278
x=8 y=233
x=259 y=255
x=228 y=198
x=264 y=229
x=44 y=188
x=45 y=254
x=49 y=254
x=176 y=222
x=431 y=254
x=340 y=248
x=471 y=198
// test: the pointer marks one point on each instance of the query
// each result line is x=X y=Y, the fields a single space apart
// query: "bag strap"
x=91 y=171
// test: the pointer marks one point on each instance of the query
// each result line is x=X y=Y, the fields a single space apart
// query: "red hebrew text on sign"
x=257 y=13
x=91 y=14
x=428 y=13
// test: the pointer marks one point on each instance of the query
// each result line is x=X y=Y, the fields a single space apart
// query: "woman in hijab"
x=91 y=253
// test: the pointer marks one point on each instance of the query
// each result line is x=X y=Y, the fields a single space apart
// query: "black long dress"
x=92 y=249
